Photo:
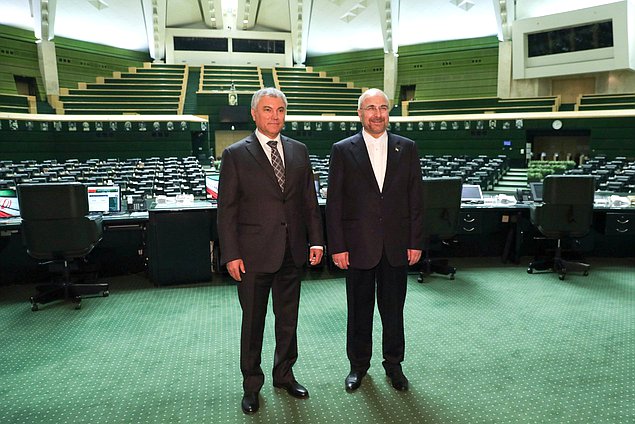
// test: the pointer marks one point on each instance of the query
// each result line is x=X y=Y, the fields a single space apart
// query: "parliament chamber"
x=521 y=308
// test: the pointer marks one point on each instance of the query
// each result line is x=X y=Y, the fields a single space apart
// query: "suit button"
x=284 y=224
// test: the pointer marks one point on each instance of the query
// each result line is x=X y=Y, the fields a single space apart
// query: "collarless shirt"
x=378 y=154
x=263 y=139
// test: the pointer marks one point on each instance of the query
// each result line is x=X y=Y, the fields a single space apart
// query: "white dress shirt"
x=263 y=139
x=378 y=153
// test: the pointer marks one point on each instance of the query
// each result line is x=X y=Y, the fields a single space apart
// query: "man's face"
x=373 y=114
x=269 y=115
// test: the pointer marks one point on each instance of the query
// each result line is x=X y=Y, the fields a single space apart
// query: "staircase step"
x=519 y=178
x=512 y=184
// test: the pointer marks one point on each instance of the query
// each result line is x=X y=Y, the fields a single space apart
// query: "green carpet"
x=496 y=345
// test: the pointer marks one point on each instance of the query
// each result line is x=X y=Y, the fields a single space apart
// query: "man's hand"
x=341 y=260
x=235 y=268
x=413 y=256
x=315 y=256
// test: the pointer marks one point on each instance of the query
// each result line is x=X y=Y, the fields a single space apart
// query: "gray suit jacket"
x=255 y=216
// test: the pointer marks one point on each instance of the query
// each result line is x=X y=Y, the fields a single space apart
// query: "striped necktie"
x=276 y=162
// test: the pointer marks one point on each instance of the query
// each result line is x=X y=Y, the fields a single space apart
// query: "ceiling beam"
x=389 y=21
x=505 y=11
x=43 y=13
x=212 y=13
x=300 y=17
x=154 y=15
x=246 y=14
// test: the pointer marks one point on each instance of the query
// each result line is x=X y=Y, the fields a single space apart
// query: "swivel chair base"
x=67 y=290
x=435 y=266
x=558 y=265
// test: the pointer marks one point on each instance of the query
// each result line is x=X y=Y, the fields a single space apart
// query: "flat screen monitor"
x=104 y=199
x=471 y=193
x=9 y=203
x=536 y=191
x=211 y=185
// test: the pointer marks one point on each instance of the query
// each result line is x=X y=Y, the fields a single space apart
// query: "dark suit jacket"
x=364 y=221
x=254 y=216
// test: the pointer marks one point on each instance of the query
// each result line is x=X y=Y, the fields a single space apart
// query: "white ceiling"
x=334 y=25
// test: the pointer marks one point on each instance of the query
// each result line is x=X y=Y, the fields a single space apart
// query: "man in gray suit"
x=374 y=231
x=268 y=216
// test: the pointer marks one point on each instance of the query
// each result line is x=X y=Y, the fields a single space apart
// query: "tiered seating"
x=320 y=166
x=154 y=89
x=136 y=177
x=226 y=78
x=481 y=170
x=480 y=105
x=617 y=175
x=605 y=101
x=313 y=93
x=17 y=103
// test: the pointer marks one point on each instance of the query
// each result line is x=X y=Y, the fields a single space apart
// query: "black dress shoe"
x=250 y=403
x=398 y=380
x=294 y=388
x=353 y=380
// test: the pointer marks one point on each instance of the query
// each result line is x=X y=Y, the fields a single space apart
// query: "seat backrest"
x=441 y=205
x=567 y=208
x=55 y=221
x=53 y=201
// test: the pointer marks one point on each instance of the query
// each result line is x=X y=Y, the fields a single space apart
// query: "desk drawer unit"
x=620 y=223
x=470 y=222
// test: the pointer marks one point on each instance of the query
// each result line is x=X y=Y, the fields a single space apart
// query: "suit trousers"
x=253 y=293
x=390 y=284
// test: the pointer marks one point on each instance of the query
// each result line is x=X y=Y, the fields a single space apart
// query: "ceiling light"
x=99 y=4
x=463 y=4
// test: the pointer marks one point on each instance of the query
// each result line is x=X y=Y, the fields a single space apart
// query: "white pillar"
x=48 y=66
x=390 y=74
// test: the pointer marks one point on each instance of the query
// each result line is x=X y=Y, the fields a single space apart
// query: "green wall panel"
x=77 y=61
x=452 y=69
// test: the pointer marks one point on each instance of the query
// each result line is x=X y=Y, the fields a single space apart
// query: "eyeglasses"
x=373 y=108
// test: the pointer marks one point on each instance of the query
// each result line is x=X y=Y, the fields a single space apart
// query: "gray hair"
x=270 y=92
x=371 y=92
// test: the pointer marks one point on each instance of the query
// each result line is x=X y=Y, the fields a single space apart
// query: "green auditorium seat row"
x=227 y=78
x=314 y=93
x=605 y=101
x=480 y=105
x=152 y=89
x=17 y=103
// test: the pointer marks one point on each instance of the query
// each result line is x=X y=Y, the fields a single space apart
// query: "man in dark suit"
x=268 y=217
x=374 y=231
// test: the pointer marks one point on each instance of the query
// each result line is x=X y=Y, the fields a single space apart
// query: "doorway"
x=407 y=92
x=26 y=86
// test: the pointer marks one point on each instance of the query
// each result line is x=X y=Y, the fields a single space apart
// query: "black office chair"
x=566 y=213
x=58 y=231
x=441 y=206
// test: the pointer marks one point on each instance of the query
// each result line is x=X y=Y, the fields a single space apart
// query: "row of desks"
x=178 y=242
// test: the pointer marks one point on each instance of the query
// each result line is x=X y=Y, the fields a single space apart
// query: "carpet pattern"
x=495 y=345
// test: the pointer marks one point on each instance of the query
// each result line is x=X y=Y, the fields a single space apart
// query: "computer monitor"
x=9 y=203
x=104 y=199
x=536 y=191
x=471 y=193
